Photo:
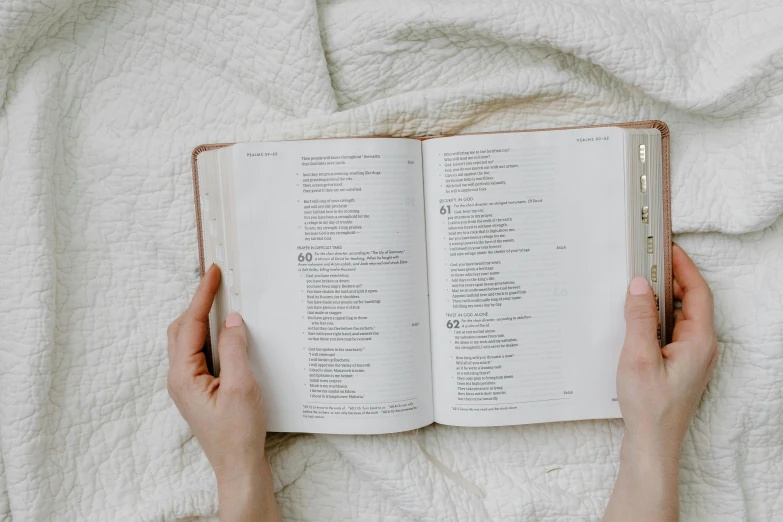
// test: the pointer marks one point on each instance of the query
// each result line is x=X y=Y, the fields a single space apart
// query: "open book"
x=474 y=280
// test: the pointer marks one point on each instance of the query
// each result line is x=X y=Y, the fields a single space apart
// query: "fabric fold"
x=102 y=104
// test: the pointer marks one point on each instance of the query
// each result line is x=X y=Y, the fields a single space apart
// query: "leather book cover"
x=666 y=192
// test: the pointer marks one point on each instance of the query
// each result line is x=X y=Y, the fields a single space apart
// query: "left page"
x=332 y=257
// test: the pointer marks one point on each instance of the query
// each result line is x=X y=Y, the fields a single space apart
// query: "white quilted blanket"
x=101 y=103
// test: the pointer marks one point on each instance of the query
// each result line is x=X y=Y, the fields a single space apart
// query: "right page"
x=527 y=263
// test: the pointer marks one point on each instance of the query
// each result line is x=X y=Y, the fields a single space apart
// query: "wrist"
x=240 y=469
x=652 y=466
x=243 y=490
x=649 y=460
x=647 y=487
x=646 y=446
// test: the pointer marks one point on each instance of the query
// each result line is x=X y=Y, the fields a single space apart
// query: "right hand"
x=659 y=389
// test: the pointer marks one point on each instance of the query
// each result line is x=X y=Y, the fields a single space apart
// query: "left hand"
x=226 y=413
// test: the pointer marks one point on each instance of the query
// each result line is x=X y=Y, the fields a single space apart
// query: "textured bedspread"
x=101 y=103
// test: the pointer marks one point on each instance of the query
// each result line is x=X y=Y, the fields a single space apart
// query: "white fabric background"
x=101 y=103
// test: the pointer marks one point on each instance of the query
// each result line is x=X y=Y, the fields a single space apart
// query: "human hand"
x=659 y=390
x=227 y=412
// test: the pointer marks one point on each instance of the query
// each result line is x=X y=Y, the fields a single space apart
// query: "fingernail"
x=638 y=286
x=233 y=319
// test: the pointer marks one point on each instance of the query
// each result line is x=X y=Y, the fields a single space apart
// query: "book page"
x=527 y=272
x=334 y=282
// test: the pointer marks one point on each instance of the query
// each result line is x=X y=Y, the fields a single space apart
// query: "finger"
x=205 y=293
x=232 y=350
x=696 y=295
x=171 y=335
x=193 y=326
x=681 y=325
x=678 y=316
x=641 y=322
x=677 y=291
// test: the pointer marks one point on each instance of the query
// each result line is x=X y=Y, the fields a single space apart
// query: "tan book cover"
x=468 y=280
x=668 y=297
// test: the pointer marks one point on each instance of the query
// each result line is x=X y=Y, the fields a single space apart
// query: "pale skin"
x=658 y=390
x=226 y=413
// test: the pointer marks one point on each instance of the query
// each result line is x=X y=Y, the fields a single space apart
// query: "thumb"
x=641 y=321
x=232 y=349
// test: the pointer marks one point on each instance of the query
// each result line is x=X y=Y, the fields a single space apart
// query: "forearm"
x=249 y=497
x=647 y=486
